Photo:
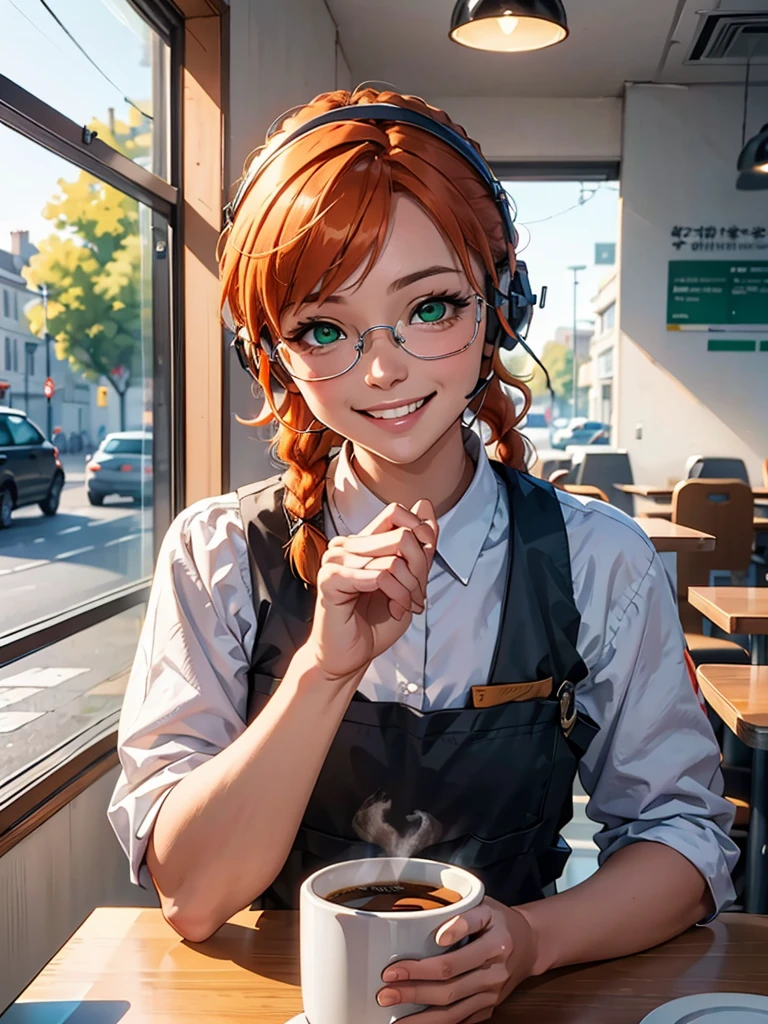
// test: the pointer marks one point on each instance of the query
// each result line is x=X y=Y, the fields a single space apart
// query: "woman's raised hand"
x=368 y=587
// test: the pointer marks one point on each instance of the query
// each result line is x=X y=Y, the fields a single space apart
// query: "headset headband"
x=393 y=112
x=516 y=291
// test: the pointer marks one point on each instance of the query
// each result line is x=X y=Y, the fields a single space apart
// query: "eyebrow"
x=397 y=285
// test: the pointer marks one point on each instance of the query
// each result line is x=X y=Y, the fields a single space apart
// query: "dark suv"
x=30 y=471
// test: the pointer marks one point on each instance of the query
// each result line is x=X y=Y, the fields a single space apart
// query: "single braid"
x=306 y=457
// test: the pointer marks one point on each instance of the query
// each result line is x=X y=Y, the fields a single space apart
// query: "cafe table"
x=668 y=536
x=127 y=966
x=665 y=493
x=744 y=610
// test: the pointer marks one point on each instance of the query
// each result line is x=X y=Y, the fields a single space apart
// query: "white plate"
x=298 y=1019
x=711 y=1008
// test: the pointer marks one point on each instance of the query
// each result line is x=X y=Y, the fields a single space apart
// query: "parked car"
x=122 y=465
x=582 y=431
x=536 y=429
x=30 y=471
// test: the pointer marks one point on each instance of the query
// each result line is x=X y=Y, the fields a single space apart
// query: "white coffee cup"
x=344 y=951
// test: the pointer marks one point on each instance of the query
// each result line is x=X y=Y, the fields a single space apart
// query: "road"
x=48 y=564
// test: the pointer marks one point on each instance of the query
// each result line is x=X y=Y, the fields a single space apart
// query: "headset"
x=513 y=296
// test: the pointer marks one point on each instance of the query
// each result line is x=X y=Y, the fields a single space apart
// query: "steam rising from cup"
x=370 y=824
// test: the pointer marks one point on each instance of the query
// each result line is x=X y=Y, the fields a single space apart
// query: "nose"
x=384 y=361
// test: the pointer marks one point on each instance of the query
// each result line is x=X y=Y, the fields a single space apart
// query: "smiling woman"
x=399 y=629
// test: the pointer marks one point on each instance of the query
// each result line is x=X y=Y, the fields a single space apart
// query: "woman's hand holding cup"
x=369 y=586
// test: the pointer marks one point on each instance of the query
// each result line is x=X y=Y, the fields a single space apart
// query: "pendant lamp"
x=753 y=163
x=508 y=26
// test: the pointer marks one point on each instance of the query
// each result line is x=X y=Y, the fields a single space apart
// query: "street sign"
x=605 y=254
x=49 y=388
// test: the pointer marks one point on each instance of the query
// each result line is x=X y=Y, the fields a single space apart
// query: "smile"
x=396 y=412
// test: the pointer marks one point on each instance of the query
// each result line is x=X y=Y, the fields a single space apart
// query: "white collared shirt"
x=652 y=772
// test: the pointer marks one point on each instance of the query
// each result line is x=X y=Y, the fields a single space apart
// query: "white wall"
x=52 y=880
x=539 y=129
x=679 y=168
x=281 y=54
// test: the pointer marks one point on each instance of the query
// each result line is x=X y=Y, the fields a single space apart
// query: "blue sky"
x=36 y=53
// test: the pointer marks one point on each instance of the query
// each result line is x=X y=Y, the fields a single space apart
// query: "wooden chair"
x=765 y=473
x=586 y=491
x=722 y=508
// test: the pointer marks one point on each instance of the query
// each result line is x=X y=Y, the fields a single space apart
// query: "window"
x=23 y=432
x=605 y=364
x=608 y=318
x=89 y=46
x=5 y=433
x=128 y=446
x=72 y=597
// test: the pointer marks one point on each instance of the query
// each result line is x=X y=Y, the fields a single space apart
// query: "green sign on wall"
x=705 y=293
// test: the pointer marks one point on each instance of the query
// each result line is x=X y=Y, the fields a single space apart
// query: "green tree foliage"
x=91 y=266
x=558 y=360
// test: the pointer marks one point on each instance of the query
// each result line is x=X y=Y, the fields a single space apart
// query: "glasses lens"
x=324 y=351
x=432 y=329
x=440 y=326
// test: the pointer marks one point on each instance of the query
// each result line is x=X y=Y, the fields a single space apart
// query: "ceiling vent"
x=730 y=37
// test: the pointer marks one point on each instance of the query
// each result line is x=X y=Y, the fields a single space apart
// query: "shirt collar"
x=463 y=529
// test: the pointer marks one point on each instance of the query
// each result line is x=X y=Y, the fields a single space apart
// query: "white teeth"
x=394 y=414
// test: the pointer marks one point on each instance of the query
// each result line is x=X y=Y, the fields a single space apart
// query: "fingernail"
x=394 y=974
x=388 y=997
x=446 y=939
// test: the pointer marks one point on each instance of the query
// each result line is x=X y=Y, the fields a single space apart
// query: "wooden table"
x=734 y=609
x=668 y=536
x=739 y=695
x=745 y=610
x=140 y=971
x=665 y=493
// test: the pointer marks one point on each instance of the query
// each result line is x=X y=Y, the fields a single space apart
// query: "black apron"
x=498 y=780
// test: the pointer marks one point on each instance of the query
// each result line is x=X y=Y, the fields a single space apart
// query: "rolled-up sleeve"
x=186 y=697
x=653 y=771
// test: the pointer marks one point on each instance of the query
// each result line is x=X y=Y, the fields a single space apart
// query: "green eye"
x=430 y=312
x=324 y=334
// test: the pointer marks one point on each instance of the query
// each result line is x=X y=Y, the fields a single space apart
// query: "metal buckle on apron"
x=568 y=711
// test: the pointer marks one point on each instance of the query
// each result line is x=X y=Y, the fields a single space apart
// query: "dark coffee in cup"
x=389 y=897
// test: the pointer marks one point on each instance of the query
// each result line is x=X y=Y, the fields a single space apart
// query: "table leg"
x=757 y=844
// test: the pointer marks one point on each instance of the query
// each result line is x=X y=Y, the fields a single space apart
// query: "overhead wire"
x=90 y=59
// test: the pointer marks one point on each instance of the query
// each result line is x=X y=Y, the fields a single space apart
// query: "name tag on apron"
x=509 y=693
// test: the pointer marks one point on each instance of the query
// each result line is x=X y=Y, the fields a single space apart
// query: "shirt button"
x=412 y=687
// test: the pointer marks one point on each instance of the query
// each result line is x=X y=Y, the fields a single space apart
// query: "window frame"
x=195 y=30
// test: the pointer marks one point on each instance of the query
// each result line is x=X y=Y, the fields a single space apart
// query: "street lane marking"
x=42 y=677
x=70 y=529
x=77 y=551
x=38 y=540
x=121 y=540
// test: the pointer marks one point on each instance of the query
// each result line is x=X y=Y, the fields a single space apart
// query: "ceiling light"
x=508 y=26
x=753 y=163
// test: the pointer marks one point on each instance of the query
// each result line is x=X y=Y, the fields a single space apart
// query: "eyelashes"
x=454 y=298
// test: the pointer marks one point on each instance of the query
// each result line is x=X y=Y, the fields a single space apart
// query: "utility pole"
x=46 y=339
x=575 y=323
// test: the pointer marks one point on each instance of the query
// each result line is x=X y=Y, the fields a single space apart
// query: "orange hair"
x=315 y=211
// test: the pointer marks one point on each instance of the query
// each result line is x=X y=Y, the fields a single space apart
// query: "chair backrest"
x=706 y=467
x=546 y=467
x=603 y=470
x=723 y=508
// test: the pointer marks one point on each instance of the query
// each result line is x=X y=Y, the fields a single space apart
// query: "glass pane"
x=78 y=255
x=53 y=696
x=100 y=64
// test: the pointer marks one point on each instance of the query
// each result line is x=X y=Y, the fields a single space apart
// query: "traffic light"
x=101 y=398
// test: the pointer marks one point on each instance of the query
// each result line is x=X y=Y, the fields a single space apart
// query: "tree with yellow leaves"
x=99 y=291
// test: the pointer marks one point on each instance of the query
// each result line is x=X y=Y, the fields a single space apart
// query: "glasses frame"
x=360 y=346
